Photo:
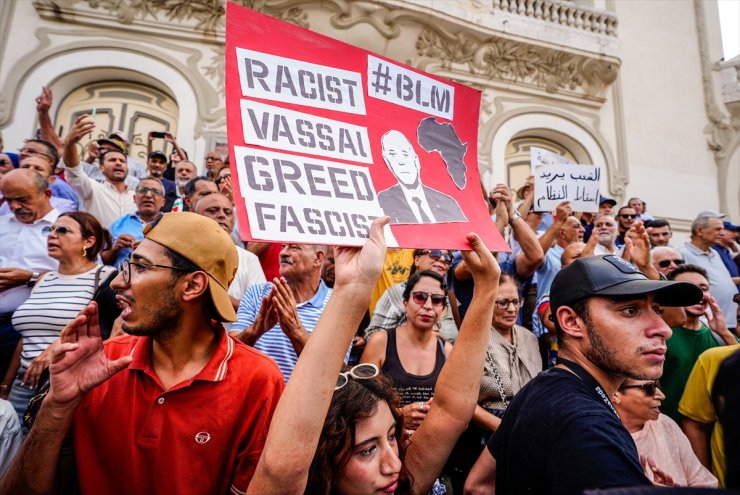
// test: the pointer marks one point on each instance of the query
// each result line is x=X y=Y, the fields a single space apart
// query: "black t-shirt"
x=557 y=437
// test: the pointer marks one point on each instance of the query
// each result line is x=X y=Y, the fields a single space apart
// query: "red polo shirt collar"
x=214 y=371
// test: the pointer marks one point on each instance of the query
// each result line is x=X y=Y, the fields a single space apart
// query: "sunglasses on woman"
x=437 y=255
x=649 y=388
x=421 y=297
x=667 y=263
x=59 y=229
x=222 y=178
x=364 y=371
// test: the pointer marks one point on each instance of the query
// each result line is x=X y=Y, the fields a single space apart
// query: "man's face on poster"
x=401 y=158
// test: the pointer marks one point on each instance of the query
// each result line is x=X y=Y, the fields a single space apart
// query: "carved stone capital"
x=549 y=69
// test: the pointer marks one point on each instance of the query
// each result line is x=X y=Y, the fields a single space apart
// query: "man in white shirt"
x=605 y=228
x=410 y=201
x=23 y=254
x=107 y=201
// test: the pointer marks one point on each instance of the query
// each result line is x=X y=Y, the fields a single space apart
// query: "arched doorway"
x=133 y=108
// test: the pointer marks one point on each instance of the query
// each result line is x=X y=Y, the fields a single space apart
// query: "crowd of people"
x=146 y=348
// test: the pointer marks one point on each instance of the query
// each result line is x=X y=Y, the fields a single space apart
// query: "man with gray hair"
x=277 y=318
x=605 y=228
x=704 y=233
x=23 y=254
x=665 y=259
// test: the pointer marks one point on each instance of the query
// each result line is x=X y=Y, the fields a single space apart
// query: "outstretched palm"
x=78 y=363
x=362 y=266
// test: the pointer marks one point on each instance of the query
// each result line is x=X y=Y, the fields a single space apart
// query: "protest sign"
x=324 y=137
x=556 y=179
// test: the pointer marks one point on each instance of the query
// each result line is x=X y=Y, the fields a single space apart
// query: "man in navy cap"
x=727 y=247
x=607 y=316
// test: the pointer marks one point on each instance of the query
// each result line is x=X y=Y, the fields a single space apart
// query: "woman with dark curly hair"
x=338 y=433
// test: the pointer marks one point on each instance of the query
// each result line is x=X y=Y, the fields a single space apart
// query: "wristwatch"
x=515 y=216
x=32 y=281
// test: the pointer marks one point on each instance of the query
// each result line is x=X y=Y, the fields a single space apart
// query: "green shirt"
x=684 y=348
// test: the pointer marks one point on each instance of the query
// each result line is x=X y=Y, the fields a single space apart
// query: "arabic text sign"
x=578 y=184
x=324 y=137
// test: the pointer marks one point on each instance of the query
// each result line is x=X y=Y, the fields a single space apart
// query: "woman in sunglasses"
x=658 y=438
x=412 y=355
x=389 y=310
x=347 y=440
x=74 y=241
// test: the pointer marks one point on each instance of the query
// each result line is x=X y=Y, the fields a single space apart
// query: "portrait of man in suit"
x=410 y=201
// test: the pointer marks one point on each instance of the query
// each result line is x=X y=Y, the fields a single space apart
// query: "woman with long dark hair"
x=339 y=433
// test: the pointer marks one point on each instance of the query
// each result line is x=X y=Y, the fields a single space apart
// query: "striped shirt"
x=274 y=342
x=55 y=301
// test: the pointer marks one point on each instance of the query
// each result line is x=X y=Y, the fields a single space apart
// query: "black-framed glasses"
x=505 y=303
x=420 y=297
x=649 y=388
x=364 y=371
x=126 y=268
x=219 y=180
x=437 y=255
x=3 y=161
x=667 y=263
x=627 y=215
x=153 y=190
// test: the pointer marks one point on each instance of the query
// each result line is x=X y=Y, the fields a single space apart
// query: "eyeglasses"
x=59 y=229
x=153 y=190
x=126 y=268
x=421 y=298
x=504 y=303
x=627 y=215
x=667 y=263
x=364 y=371
x=437 y=255
x=222 y=178
x=3 y=161
x=32 y=151
x=649 y=388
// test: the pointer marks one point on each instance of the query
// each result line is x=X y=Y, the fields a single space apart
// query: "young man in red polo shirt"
x=176 y=406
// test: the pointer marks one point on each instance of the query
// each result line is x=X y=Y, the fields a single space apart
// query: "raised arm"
x=456 y=391
x=292 y=441
x=83 y=125
x=562 y=212
x=78 y=365
x=43 y=104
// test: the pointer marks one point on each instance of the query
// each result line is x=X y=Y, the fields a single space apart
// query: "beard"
x=164 y=322
x=606 y=239
x=603 y=356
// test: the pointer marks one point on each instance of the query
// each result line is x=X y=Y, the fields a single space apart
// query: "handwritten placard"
x=556 y=179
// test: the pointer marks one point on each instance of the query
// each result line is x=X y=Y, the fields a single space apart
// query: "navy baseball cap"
x=158 y=154
x=604 y=199
x=611 y=275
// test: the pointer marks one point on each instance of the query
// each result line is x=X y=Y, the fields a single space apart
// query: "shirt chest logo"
x=202 y=437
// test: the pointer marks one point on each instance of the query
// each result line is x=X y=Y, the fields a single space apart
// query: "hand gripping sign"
x=324 y=137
